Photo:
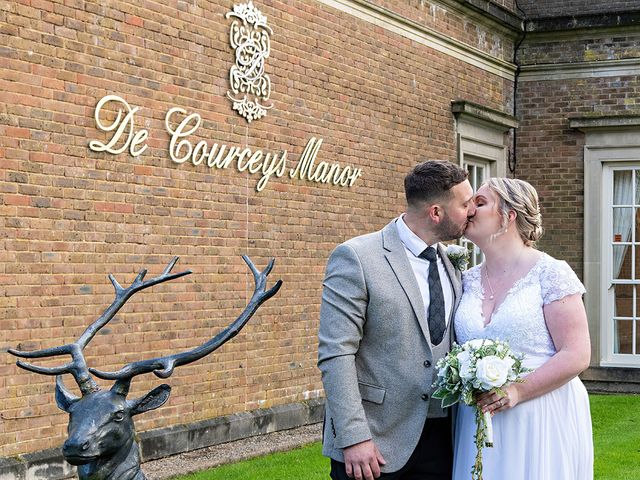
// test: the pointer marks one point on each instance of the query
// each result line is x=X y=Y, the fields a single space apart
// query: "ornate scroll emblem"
x=249 y=37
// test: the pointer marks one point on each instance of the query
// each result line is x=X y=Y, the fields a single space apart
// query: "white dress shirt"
x=414 y=246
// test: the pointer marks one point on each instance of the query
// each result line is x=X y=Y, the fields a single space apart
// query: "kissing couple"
x=393 y=303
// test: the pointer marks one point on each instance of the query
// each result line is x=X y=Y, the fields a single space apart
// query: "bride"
x=542 y=427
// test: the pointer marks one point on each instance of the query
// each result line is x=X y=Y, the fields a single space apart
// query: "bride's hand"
x=494 y=402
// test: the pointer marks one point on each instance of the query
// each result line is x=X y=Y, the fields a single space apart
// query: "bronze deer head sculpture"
x=101 y=439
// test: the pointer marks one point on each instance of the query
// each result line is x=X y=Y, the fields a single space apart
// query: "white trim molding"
x=594 y=69
x=423 y=35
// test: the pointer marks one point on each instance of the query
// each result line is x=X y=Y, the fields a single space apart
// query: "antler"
x=163 y=367
x=78 y=366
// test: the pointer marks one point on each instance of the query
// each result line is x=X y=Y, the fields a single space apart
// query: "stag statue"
x=101 y=432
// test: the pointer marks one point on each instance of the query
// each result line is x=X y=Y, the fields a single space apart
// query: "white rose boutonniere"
x=458 y=256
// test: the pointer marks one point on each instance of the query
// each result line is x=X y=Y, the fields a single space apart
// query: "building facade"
x=354 y=93
x=133 y=132
x=578 y=143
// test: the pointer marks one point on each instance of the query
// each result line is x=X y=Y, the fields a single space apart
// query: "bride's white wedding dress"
x=548 y=437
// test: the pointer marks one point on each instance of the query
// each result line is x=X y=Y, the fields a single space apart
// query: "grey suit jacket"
x=374 y=351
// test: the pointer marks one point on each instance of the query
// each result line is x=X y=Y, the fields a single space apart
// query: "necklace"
x=486 y=274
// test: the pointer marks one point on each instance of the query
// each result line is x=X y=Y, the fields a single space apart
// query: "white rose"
x=464 y=357
x=492 y=371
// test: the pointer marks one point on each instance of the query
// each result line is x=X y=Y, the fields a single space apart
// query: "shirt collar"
x=410 y=240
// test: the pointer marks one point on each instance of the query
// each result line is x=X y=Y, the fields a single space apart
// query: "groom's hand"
x=363 y=460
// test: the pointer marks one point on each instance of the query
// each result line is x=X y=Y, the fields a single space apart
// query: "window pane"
x=637 y=175
x=472 y=176
x=623 y=336
x=622 y=187
x=477 y=255
x=622 y=262
x=623 y=306
x=622 y=224
x=477 y=170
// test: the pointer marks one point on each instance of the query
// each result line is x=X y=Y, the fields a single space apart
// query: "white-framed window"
x=620 y=250
x=612 y=238
x=479 y=170
x=482 y=149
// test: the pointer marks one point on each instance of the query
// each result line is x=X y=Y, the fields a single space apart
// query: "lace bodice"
x=519 y=319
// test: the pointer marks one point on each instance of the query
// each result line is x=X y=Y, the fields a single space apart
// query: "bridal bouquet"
x=478 y=366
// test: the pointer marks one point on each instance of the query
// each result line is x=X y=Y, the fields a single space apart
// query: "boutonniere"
x=458 y=256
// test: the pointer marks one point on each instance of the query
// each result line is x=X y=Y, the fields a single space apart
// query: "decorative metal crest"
x=250 y=86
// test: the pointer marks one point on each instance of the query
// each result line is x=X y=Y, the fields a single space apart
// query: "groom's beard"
x=448 y=230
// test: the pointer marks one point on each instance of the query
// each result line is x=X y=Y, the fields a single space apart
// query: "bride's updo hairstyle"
x=522 y=198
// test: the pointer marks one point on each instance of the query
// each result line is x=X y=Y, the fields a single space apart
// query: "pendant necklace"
x=486 y=274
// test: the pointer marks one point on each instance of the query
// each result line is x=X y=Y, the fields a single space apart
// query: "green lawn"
x=301 y=463
x=616 y=435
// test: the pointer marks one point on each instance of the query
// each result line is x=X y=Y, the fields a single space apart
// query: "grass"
x=616 y=437
x=301 y=463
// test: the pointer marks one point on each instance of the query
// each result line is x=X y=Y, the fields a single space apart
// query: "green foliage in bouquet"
x=478 y=366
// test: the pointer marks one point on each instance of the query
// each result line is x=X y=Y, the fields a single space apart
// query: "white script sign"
x=184 y=148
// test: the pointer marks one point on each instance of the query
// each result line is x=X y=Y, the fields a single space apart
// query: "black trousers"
x=431 y=460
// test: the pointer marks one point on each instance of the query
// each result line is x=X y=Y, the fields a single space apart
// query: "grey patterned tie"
x=437 y=324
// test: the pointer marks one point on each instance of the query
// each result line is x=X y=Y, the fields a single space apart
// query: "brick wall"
x=549 y=153
x=556 y=8
x=452 y=23
x=609 y=45
x=71 y=216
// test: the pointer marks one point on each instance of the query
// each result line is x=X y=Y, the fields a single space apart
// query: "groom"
x=386 y=318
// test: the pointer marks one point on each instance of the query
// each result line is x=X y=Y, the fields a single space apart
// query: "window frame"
x=609 y=282
x=476 y=257
x=608 y=142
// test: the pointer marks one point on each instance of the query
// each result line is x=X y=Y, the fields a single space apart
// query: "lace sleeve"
x=558 y=280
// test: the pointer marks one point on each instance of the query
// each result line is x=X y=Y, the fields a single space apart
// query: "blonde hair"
x=522 y=198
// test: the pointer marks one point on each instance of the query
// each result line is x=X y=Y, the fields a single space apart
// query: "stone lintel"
x=483 y=114
x=599 y=121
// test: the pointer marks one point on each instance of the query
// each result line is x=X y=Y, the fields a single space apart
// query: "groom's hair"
x=431 y=181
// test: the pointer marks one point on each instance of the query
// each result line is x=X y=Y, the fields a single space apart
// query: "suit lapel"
x=397 y=258
x=454 y=278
